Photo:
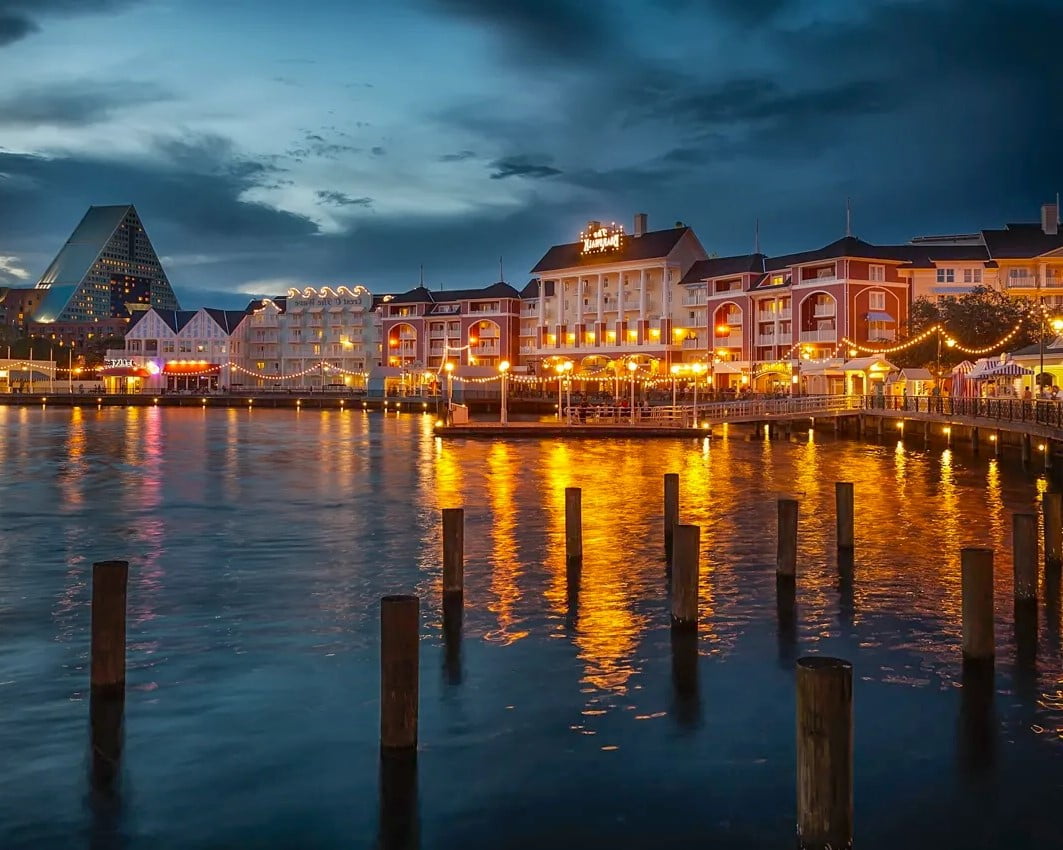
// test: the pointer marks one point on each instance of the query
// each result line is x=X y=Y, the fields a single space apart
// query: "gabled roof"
x=422 y=295
x=929 y=256
x=176 y=319
x=227 y=320
x=725 y=267
x=649 y=246
x=531 y=289
x=1018 y=241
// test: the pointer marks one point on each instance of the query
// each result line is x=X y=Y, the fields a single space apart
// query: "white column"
x=601 y=302
x=666 y=295
x=642 y=295
x=559 y=297
x=542 y=302
x=580 y=283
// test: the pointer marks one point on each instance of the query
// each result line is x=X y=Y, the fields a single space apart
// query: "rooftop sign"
x=599 y=239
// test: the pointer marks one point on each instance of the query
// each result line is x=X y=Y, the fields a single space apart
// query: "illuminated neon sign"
x=118 y=362
x=598 y=239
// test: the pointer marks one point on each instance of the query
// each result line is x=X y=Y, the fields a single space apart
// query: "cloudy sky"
x=268 y=143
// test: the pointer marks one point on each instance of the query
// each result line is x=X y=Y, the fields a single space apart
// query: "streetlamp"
x=697 y=368
x=448 y=367
x=675 y=373
x=561 y=369
x=632 y=367
x=503 y=368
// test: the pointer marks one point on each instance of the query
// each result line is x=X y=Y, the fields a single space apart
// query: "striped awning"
x=879 y=316
x=964 y=368
x=1011 y=369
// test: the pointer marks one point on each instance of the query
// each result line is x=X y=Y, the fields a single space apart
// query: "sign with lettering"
x=118 y=362
x=599 y=240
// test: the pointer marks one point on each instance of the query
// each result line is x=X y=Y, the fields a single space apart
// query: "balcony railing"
x=769 y=316
x=694 y=300
x=729 y=341
x=694 y=344
x=767 y=339
x=820 y=280
x=820 y=336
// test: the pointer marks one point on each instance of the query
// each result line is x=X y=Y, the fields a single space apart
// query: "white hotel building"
x=610 y=295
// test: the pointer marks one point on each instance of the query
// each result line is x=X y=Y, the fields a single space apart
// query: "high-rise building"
x=107 y=269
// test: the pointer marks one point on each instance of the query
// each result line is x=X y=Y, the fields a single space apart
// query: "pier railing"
x=689 y=415
x=1046 y=412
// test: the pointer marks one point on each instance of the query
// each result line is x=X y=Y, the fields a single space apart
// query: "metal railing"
x=1047 y=412
x=710 y=413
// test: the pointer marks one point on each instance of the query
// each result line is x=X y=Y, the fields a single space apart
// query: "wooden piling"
x=786 y=551
x=573 y=526
x=1024 y=556
x=976 y=577
x=671 y=509
x=824 y=753
x=844 y=501
x=974 y=440
x=1052 y=508
x=400 y=632
x=453 y=551
x=926 y=431
x=109 y=582
x=997 y=443
x=686 y=571
x=1025 y=441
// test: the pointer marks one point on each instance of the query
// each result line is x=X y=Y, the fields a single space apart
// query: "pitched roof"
x=531 y=289
x=89 y=238
x=176 y=319
x=725 y=267
x=649 y=246
x=928 y=256
x=422 y=295
x=1017 y=241
x=227 y=320
x=847 y=246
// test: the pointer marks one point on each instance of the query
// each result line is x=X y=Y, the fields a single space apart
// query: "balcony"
x=692 y=344
x=527 y=349
x=767 y=339
x=824 y=311
x=695 y=300
x=820 y=281
x=819 y=336
x=484 y=349
x=771 y=316
x=733 y=340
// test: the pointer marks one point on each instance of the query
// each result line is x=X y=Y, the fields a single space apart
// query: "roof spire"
x=422 y=274
x=848 y=217
x=756 y=236
x=501 y=274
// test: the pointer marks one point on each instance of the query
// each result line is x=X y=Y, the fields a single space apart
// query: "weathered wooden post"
x=107 y=669
x=400 y=632
x=844 y=519
x=573 y=527
x=686 y=571
x=824 y=753
x=974 y=440
x=1024 y=556
x=1052 y=508
x=786 y=551
x=976 y=579
x=453 y=552
x=1025 y=443
x=671 y=509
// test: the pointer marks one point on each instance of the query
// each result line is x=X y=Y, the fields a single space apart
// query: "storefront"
x=125 y=378
x=191 y=376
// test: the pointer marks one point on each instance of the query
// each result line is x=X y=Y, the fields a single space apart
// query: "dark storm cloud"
x=340 y=199
x=378 y=151
x=566 y=30
x=522 y=166
x=20 y=18
x=14 y=27
x=75 y=104
x=746 y=12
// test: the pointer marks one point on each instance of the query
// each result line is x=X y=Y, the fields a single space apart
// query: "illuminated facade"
x=611 y=295
x=108 y=269
x=175 y=351
x=311 y=337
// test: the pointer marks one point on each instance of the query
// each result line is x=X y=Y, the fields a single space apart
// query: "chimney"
x=640 y=224
x=1050 y=219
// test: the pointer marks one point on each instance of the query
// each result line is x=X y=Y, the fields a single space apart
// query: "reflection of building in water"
x=607 y=628
x=505 y=565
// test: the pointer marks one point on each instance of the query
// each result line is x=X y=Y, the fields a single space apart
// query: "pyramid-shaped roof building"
x=108 y=269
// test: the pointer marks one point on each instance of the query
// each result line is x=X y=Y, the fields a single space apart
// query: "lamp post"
x=448 y=367
x=1057 y=326
x=560 y=369
x=697 y=368
x=675 y=373
x=503 y=368
x=70 y=370
x=632 y=367
x=568 y=387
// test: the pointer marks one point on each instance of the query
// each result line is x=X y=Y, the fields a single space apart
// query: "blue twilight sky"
x=268 y=143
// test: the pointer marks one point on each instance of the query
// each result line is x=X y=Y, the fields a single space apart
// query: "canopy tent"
x=963 y=368
x=1009 y=369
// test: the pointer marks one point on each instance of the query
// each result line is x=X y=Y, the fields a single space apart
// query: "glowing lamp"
x=632 y=365
x=722 y=330
x=448 y=366
x=675 y=369
x=503 y=366
x=439 y=423
x=152 y=367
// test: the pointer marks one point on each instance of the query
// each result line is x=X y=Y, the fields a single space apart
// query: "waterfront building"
x=610 y=296
x=17 y=306
x=311 y=337
x=1024 y=260
x=763 y=322
x=108 y=269
x=175 y=351
x=422 y=330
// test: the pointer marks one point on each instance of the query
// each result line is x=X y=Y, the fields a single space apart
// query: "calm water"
x=260 y=544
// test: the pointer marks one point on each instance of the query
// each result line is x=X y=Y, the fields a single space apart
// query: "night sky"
x=270 y=143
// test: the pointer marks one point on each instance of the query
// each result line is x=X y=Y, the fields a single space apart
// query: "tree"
x=96 y=349
x=977 y=319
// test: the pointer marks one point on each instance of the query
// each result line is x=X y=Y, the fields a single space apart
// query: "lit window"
x=877 y=300
x=877 y=273
x=946 y=275
x=972 y=275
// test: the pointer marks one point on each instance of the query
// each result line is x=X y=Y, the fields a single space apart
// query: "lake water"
x=260 y=543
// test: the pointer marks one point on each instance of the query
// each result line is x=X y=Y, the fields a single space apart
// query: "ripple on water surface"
x=260 y=543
